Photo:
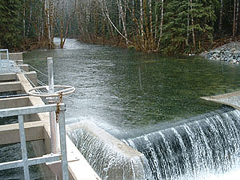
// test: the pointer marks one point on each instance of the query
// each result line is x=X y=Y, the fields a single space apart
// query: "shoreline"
x=228 y=53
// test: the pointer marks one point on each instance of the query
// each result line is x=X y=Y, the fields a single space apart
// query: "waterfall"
x=109 y=157
x=204 y=146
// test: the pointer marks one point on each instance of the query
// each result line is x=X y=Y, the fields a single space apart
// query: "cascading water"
x=197 y=150
x=109 y=157
x=126 y=89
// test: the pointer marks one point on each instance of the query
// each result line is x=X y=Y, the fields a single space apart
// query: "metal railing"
x=7 y=65
x=26 y=162
x=5 y=52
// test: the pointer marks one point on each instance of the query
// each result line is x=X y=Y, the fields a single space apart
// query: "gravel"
x=229 y=53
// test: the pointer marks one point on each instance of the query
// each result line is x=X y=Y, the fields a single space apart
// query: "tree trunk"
x=151 y=25
x=220 y=18
x=24 y=18
x=146 y=44
x=161 y=25
x=30 y=20
x=106 y=14
x=49 y=24
x=63 y=34
x=234 y=19
x=62 y=41
x=156 y=21
x=103 y=30
x=188 y=26
x=141 y=22
x=237 y=16
x=193 y=33
x=136 y=30
x=123 y=18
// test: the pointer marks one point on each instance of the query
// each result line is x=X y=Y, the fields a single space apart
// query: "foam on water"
x=207 y=148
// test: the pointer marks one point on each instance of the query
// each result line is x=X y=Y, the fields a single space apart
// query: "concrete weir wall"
x=110 y=158
x=37 y=126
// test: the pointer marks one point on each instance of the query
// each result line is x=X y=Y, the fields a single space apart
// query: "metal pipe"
x=15 y=95
x=50 y=75
x=63 y=145
x=53 y=124
x=7 y=55
x=23 y=147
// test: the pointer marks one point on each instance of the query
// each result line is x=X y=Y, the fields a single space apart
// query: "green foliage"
x=10 y=24
x=171 y=27
x=21 y=22
x=187 y=26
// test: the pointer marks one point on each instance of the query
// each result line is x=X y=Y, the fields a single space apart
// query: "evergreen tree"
x=188 y=27
x=174 y=38
x=11 y=24
x=204 y=17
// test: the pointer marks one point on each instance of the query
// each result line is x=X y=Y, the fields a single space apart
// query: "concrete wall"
x=12 y=56
x=37 y=126
x=111 y=158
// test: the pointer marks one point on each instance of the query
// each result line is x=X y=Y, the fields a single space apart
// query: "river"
x=129 y=93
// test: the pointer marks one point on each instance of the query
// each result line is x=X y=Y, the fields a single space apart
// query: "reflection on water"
x=12 y=152
x=126 y=89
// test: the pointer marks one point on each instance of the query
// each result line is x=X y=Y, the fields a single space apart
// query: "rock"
x=229 y=53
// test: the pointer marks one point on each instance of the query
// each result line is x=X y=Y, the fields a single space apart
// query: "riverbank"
x=227 y=51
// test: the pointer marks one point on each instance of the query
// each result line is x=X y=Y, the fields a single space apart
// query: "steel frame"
x=25 y=162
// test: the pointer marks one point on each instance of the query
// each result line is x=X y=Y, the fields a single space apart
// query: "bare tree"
x=106 y=13
x=123 y=18
x=161 y=25
x=193 y=33
x=221 y=17
x=66 y=20
x=234 y=18
x=151 y=25
x=141 y=21
x=49 y=23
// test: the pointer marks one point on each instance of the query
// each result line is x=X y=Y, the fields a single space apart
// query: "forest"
x=162 y=26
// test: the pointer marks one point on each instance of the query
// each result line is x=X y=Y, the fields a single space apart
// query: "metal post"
x=23 y=147
x=53 y=123
x=7 y=54
x=63 y=145
x=50 y=75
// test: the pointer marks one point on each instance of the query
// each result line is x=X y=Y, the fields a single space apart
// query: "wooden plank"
x=10 y=133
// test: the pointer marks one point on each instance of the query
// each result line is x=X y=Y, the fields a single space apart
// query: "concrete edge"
x=105 y=137
x=218 y=98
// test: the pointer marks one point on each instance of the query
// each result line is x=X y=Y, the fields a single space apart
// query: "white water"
x=206 y=149
x=83 y=108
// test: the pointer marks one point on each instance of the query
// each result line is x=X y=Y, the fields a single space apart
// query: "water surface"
x=130 y=93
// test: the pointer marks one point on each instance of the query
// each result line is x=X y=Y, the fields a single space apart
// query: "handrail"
x=7 y=53
x=30 y=110
x=25 y=162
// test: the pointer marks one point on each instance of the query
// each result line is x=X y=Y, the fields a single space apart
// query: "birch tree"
x=192 y=21
x=234 y=18
x=221 y=18
x=161 y=25
x=123 y=19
